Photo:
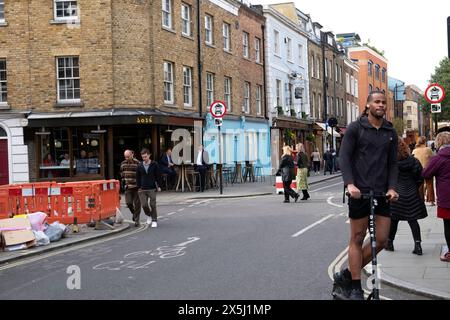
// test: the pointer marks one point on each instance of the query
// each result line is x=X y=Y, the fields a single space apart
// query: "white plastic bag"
x=41 y=238
x=119 y=217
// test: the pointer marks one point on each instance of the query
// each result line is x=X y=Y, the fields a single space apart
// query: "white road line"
x=333 y=204
x=331 y=185
x=171 y=213
x=312 y=225
x=180 y=209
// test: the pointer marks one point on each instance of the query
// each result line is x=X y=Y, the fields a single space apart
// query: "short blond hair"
x=300 y=147
x=287 y=150
x=442 y=139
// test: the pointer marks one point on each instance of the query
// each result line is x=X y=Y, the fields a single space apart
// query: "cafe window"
x=70 y=153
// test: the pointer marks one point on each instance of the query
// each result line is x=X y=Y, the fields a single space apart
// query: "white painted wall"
x=17 y=151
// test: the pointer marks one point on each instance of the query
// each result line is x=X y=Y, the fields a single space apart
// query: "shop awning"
x=109 y=117
x=324 y=128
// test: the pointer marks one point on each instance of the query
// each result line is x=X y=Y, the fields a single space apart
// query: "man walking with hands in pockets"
x=147 y=176
x=368 y=161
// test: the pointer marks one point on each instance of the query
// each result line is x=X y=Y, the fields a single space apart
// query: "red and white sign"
x=434 y=93
x=218 y=109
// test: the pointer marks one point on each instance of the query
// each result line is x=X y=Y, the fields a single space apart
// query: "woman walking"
x=316 y=160
x=302 y=171
x=287 y=174
x=410 y=206
x=423 y=154
x=439 y=167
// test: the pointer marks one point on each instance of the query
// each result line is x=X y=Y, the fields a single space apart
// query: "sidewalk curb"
x=255 y=194
x=62 y=245
x=409 y=287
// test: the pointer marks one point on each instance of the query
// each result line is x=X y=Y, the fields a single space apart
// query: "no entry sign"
x=434 y=93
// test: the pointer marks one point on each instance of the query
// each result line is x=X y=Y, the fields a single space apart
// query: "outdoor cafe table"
x=182 y=176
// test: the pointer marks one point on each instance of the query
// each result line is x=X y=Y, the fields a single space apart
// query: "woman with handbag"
x=302 y=171
x=287 y=172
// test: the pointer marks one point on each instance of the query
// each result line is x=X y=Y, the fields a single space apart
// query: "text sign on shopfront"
x=144 y=120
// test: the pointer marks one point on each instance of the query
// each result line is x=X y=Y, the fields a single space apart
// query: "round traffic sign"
x=332 y=122
x=218 y=109
x=434 y=93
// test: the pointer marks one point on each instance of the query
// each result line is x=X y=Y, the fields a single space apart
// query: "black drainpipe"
x=264 y=71
x=199 y=61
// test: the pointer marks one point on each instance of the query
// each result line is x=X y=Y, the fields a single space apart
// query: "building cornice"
x=371 y=51
x=285 y=20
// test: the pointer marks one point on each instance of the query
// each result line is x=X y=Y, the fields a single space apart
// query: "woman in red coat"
x=439 y=167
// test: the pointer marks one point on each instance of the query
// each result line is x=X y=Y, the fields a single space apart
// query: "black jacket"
x=368 y=157
x=410 y=205
x=147 y=180
x=286 y=169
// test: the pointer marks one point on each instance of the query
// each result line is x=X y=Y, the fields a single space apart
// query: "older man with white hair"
x=128 y=169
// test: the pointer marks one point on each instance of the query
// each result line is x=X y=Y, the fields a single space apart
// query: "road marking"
x=171 y=213
x=180 y=209
x=312 y=225
x=333 y=204
x=331 y=185
x=71 y=248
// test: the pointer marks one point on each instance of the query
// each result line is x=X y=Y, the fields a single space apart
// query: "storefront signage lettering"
x=144 y=120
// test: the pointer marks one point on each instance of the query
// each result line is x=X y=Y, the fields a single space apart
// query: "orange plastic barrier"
x=68 y=203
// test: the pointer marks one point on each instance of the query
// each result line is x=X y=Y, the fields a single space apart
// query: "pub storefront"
x=90 y=145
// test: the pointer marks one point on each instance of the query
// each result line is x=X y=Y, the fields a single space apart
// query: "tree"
x=441 y=76
x=399 y=125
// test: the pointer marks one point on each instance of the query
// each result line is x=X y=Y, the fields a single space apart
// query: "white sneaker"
x=154 y=224
x=149 y=220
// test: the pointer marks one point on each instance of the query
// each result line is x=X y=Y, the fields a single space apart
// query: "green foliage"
x=367 y=44
x=279 y=110
x=399 y=125
x=293 y=113
x=441 y=76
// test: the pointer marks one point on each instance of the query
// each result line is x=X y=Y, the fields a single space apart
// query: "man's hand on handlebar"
x=354 y=192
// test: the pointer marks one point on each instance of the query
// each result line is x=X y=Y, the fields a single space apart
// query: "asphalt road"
x=247 y=248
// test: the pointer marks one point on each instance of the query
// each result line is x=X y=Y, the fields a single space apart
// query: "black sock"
x=356 y=284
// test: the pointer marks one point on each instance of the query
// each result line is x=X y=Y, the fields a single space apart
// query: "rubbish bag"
x=53 y=233
x=119 y=217
x=41 y=238
x=63 y=227
x=37 y=220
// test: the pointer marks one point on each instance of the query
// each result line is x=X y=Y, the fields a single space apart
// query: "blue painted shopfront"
x=242 y=139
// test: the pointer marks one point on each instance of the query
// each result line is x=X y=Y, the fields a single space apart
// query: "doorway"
x=4 y=168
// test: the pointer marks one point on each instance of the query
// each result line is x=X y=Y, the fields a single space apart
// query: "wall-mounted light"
x=98 y=130
x=58 y=144
x=168 y=129
x=94 y=143
x=121 y=142
x=42 y=132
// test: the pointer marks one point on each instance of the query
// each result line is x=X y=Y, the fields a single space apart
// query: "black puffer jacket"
x=409 y=205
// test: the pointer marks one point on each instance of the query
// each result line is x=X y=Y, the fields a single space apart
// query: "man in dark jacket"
x=147 y=176
x=168 y=167
x=368 y=162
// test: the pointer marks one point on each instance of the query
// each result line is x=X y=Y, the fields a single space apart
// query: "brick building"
x=93 y=78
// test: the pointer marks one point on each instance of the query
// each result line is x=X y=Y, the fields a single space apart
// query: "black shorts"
x=360 y=208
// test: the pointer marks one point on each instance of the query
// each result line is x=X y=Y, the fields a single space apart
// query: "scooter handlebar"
x=368 y=195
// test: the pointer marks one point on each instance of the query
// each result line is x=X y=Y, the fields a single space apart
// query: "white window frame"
x=69 y=17
x=326 y=67
x=209 y=31
x=166 y=13
x=2 y=11
x=71 y=79
x=209 y=88
x=347 y=83
x=258 y=50
x=279 y=92
x=300 y=54
x=246 y=106
x=352 y=85
x=276 y=42
x=336 y=73
x=289 y=49
x=227 y=93
x=317 y=67
x=187 y=86
x=313 y=103
x=226 y=36
x=313 y=66
x=356 y=89
x=245 y=44
x=258 y=99
x=168 y=82
x=186 y=20
x=3 y=84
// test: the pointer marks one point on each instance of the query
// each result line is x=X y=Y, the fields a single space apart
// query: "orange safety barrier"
x=68 y=203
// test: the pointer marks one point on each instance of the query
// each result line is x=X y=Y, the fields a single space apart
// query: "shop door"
x=4 y=172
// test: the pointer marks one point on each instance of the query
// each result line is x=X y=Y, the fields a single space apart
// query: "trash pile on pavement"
x=29 y=230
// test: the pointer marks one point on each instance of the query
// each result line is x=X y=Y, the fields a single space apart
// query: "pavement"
x=424 y=275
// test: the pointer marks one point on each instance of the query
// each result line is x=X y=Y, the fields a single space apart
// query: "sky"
x=413 y=34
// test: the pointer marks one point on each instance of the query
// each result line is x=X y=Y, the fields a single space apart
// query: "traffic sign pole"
x=221 y=164
x=218 y=110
